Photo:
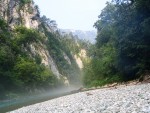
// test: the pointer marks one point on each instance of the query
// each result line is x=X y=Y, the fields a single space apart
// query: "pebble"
x=128 y=99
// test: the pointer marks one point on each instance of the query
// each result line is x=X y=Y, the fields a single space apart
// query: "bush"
x=23 y=2
x=25 y=36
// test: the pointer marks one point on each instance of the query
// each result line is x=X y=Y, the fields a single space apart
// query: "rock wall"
x=46 y=58
x=78 y=58
x=15 y=13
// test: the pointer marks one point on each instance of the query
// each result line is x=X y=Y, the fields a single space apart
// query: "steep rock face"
x=14 y=12
x=78 y=61
x=41 y=50
x=78 y=58
x=66 y=58
x=17 y=13
x=46 y=58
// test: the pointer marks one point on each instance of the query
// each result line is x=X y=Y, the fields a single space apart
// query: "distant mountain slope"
x=87 y=35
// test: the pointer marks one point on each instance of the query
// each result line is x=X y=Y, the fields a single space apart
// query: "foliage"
x=23 y=2
x=57 y=49
x=33 y=75
x=19 y=72
x=51 y=24
x=26 y=36
x=122 y=44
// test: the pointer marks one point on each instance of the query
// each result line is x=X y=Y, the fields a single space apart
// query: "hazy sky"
x=72 y=14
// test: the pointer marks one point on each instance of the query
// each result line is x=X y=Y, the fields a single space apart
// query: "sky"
x=72 y=14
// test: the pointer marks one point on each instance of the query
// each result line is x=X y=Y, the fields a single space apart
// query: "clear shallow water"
x=13 y=104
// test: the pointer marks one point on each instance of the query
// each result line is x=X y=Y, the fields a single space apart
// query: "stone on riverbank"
x=129 y=99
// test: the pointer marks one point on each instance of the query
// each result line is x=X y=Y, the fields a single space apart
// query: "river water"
x=13 y=104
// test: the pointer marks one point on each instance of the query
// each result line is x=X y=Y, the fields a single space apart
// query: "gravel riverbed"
x=128 y=99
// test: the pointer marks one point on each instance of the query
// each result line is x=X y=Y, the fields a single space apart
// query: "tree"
x=50 y=23
x=122 y=42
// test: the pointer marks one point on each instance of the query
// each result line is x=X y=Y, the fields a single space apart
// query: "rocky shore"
x=128 y=99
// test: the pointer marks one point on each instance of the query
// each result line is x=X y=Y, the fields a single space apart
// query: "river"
x=13 y=104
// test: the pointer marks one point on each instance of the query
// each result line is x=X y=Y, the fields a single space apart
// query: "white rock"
x=121 y=100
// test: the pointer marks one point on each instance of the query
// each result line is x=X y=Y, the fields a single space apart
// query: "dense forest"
x=122 y=49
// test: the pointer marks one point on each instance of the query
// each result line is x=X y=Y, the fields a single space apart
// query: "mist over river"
x=12 y=104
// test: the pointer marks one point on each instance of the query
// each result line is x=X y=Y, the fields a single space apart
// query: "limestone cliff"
x=20 y=12
x=26 y=13
x=79 y=58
